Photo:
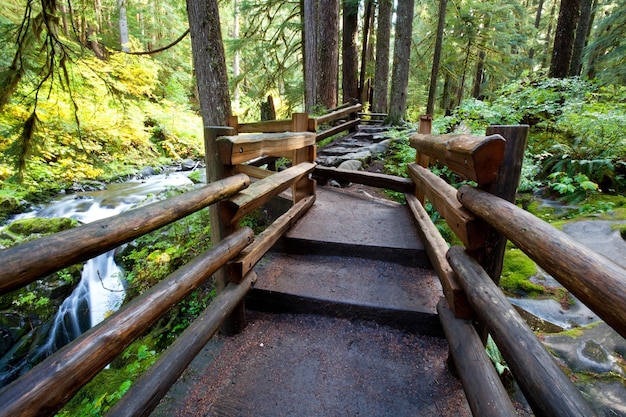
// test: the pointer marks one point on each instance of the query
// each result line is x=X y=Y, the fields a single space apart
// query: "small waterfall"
x=101 y=288
x=99 y=293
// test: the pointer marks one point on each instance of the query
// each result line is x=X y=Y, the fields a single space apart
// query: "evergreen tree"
x=564 y=38
x=381 y=71
x=401 y=61
x=350 y=57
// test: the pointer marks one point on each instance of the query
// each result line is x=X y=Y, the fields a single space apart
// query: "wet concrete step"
x=344 y=223
x=352 y=256
x=388 y=293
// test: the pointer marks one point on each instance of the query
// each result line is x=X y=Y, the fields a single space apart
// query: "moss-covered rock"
x=41 y=226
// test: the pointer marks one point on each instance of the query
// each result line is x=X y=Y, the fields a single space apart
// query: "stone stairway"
x=354 y=150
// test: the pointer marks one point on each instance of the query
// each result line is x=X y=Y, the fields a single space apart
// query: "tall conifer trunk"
x=381 y=70
x=401 y=61
x=564 y=38
x=328 y=53
x=432 y=90
x=350 y=53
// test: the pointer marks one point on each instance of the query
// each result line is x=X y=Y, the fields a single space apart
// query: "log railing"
x=345 y=116
x=476 y=216
x=47 y=387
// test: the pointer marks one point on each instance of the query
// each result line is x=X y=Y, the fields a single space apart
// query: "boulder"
x=352 y=165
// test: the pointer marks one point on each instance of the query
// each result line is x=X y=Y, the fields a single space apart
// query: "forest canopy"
x=92 y=89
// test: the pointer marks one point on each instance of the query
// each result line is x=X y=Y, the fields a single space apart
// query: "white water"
x=101 y=288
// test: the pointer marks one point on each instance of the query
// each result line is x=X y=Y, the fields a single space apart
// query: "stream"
x=100 y=290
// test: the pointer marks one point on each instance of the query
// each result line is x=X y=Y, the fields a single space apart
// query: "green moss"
x=41 y=226
x=518 y=268
x=196 y=177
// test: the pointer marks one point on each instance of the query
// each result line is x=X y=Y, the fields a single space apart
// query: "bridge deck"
x=366 y=339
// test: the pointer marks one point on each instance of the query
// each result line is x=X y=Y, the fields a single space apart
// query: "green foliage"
x=270 y=52
x=159 y=253
x=572 y=189
x=576 y=128
x=496 y=357
x=400 y=155
x=101 y=393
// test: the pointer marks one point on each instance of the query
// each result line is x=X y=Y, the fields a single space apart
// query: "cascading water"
x=101 y=288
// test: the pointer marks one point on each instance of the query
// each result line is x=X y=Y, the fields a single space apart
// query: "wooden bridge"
x=353 y=302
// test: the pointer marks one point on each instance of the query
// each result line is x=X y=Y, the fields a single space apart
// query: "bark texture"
x=328 y=53
x=401 y=61
x=564 y=38
x=381 y=70
x=432 y=90
x=209 y=61
x=350 y=52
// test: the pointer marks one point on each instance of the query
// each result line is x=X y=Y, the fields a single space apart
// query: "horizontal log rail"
x=476 y=158
x=436 y=248
x=29 y=261
x=48 y=386
x=489 y=397
x=144 y=395
x=238 y=149
x=351 y=111
x=269 y=126
x=546 y=387
x=262 y=191
x=349 y=125
x=373 y=179
x=594 y=279
x=249 y=257
x=468 y=227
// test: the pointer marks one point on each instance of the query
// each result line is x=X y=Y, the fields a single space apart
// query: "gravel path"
x=307 y=365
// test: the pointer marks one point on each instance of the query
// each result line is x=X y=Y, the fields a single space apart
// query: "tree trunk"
x=582 y=31
x=480 y=65
x=432 y=90
x=237 y=57
x=401 y=61
x=381 y=70
x=124 y=40
x=309 y=45
x=209 y=61
x=363 y=91
x=328 y=53
x=546 y=55
x=468 y=49
x=350 y=52
x=531 y=53
x=564 y=38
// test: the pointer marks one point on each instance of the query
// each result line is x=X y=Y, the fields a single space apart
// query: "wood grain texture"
x=477 y=158
x=469 y=228
x=238 y=149
x=482 y=385
x=436 y=248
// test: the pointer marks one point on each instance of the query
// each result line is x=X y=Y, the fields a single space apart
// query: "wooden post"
x=505 y=186
x=491 y=256
x=306 y=186
x=425 y=127
x=220 y=220
x=233 y=121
